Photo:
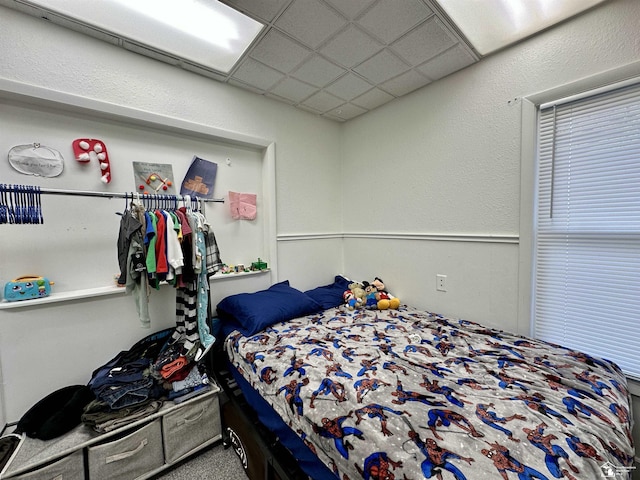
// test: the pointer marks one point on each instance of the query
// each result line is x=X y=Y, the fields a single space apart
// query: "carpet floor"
x=212 y=463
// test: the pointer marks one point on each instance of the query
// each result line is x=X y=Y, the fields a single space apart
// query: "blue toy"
x=27 y=288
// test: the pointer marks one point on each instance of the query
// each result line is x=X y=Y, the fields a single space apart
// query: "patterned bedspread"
x=408 y=394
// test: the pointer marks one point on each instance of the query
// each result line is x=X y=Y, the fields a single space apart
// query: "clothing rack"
x=88 y=193
x=20 y=204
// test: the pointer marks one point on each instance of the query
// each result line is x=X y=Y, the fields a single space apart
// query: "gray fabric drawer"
x=191 y=425
x=128 y=457
x=70 y=467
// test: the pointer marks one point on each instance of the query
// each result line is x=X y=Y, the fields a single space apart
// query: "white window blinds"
x=587 y=248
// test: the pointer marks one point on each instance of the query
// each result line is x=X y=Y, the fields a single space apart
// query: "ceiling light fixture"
x=493 y=24
x=205 y=32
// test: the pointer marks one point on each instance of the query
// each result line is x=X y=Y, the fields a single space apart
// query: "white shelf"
x=64 y=297
x=101 y=292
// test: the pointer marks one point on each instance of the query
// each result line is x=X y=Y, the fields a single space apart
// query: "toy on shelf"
x=27 y=287
x=87 y=149
x=259 y=265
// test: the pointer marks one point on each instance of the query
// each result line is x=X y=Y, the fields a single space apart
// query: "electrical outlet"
x=441 y=282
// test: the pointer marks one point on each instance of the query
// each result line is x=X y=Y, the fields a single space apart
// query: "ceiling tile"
x=424 y=42
x=405 y=83
x=281 y=99
x=293 y=90
x=257 y=75
x=351 y=8
x=323 y=101
x=244 y=86
x=347 y=111
x=389 y=20
x=310 y=21
x=302 y=106
x=348 y=86
x=325 y=56
x=373 y=99
x=446 y=63
x=351 y=47
x=280 y=52
x=381 y=67
x=318 y=71
x=264 y=10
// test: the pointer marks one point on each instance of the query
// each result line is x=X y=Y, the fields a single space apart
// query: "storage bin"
x=190 y=426
x=128 y=457
x=70 y=467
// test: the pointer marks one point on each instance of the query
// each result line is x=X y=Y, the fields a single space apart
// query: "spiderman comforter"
x=406 y=394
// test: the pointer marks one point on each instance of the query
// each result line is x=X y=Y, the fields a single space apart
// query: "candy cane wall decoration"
x=87 y=149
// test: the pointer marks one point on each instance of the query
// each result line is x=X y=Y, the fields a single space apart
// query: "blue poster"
x=199 y=180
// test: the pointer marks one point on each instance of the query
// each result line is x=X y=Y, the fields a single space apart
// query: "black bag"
x=56 y=414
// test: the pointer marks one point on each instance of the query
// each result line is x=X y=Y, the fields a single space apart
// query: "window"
x=587 y=226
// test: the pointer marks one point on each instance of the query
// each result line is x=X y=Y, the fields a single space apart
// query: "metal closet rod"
x=89 y=193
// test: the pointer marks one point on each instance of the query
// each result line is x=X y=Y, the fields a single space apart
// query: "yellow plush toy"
x=384 y=298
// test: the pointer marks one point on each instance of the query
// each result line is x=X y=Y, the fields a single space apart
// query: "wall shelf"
x=102 y=291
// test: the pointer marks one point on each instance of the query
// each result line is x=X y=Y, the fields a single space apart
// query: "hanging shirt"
x=174 y=251
x=128 y=226
x=150 y=241
x=162 y=267
x=136 y=283
x=188 y=275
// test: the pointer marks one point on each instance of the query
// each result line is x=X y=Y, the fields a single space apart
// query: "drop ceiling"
x=342 y=58
x=335 y=58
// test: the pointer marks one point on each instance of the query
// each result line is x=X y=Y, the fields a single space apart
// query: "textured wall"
x=74 y=338
x=445 y=161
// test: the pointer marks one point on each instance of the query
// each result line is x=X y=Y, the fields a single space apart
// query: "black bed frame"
x=262 y=455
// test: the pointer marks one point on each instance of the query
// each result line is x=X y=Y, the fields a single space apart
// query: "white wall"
x=44 y=348
x=443 y=164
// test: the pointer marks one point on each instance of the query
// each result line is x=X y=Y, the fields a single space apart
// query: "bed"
x=410 y=394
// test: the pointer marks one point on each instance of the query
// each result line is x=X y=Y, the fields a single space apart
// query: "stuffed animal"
x=355 y=296
x=370 y=300
x=384 y=299
x=350 y=300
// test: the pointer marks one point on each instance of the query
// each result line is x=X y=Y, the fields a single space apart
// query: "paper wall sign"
x=36 y=159
x=154 y=178
x=243 y=205
x=200 y=178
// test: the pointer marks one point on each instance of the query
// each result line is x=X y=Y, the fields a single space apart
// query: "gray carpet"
x=213 y=463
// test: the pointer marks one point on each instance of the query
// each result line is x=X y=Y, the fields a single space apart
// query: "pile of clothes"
x=132 y=385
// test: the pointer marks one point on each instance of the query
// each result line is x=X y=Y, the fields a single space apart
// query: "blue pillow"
x=253 y=312
x=329 y=296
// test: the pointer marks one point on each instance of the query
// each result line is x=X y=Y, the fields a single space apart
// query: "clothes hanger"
x=39 y=205
x=3 y=205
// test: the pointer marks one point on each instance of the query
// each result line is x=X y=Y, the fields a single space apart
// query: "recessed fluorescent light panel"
x=205 y=32
x=493 y=24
